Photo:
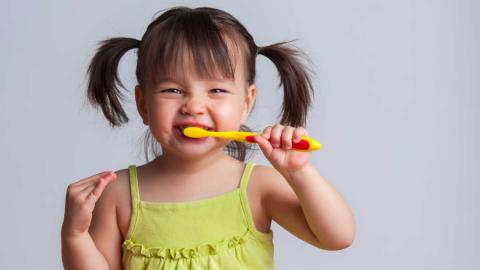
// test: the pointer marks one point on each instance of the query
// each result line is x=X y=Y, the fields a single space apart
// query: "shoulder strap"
x=134 y=185
x=246 y=175
x=246 y=206
x=135 y=195
x=244 y=197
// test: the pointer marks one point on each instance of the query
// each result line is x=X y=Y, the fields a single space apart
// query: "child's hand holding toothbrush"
x=276 y=144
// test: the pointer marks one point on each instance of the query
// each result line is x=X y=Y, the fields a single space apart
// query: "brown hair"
x=208 y=30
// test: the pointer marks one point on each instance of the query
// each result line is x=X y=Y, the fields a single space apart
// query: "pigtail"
x=103 y=78
x=294 y=77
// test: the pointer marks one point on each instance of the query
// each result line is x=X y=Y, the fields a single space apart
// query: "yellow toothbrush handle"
x=239 y=136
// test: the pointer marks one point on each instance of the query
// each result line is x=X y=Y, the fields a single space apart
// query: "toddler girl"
x=198 y=204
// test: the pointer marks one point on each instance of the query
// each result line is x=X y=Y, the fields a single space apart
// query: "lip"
x=193 y=123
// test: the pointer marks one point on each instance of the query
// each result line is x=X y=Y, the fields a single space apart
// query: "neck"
x=173 y=164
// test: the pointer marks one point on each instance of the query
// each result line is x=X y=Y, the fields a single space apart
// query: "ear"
x=249 y=101
x=141 y=105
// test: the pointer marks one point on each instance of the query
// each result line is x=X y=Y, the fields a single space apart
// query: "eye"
x=170 y=90
x=218 y=90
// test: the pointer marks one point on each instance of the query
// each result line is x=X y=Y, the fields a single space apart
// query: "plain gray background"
x=396 y=108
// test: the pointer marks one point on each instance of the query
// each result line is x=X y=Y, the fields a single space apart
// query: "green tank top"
x=212 y=233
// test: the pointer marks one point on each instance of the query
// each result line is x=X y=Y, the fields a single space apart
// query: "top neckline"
x=193 y=202
x=243 y=182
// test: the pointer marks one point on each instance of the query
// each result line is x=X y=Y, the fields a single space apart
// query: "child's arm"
x=79 y=250
x=302 y=201
x=309 y=207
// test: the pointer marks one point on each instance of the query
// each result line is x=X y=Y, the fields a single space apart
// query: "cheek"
x=229 y=115
x=161 y=115
x=162 y=108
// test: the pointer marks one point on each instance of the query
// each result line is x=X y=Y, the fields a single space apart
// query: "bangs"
x=190 y=42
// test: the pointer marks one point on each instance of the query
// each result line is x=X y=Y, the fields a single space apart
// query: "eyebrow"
x=166 y=79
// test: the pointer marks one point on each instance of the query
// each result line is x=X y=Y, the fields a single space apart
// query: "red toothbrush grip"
x=301 y=145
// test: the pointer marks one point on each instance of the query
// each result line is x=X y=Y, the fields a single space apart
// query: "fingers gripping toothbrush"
x=306 y=144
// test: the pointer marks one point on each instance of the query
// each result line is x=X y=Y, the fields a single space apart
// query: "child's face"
x=220 y=105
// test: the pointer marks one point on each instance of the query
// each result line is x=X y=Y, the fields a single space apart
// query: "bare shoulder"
x=123 y=201
x=116 y=196
x=276 y=193
x=265 y=179
x=257 y=191
x=261 y=175
x=104 y=228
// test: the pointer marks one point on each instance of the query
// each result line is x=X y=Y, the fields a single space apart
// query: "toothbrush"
x=306 y=144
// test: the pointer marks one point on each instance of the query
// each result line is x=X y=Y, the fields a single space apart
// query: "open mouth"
x=182 y=127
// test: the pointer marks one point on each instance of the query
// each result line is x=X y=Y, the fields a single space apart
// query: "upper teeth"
x=185 y=126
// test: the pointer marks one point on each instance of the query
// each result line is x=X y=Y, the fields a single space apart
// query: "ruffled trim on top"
x=188 y=253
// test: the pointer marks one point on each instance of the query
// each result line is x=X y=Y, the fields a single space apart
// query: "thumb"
x=264 y=144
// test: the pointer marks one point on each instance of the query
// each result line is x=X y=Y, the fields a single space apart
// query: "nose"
x=193 y=106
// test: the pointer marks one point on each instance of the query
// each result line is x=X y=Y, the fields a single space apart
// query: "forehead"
x=186 y=72
x=184 y=58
